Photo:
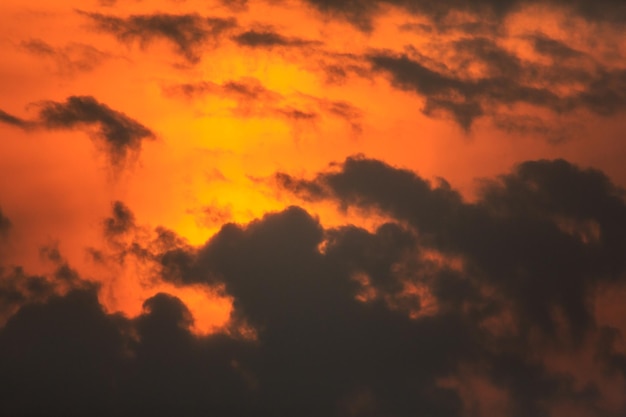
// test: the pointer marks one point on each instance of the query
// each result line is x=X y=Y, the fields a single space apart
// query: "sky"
x=324 y=208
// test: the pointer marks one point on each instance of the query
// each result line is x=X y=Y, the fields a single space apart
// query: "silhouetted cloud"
x=122 y=220
x=187 y=32
x=524 y=124
x=13 y=120
x=349 y=321
x=508 y=81
x=513 y=230
x=18 y=288
x=5 y=224
x=118 y=134
x=268 y=39
x=362 y=12
x=553 y=48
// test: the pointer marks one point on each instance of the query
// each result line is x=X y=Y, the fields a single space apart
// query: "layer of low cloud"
x=349 y=321
x=362 y=12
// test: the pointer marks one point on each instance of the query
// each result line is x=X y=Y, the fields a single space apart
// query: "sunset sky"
x=324 y=208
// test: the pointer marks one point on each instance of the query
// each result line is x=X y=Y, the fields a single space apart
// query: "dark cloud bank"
x=448 y=88
x=361 y=12
x=508 y=81
x=339 y=332
x=117 y=134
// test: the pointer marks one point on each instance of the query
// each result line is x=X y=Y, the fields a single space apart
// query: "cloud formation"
x=13 y=120
x=187 y=32
x=507 y=81
x=268 y=39
x=371 y=290
x=5 y=224
x=119 y=135
x=253 y=99
x=70 y=59
x=510 y=234
x=362 y=12
x=349 y=321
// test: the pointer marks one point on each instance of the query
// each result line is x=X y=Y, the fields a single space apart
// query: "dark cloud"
x=348 y=321
x=440 y=90
x=508 y=81
x=605 y=94
x=121 y=222
x=362 y=12
x=187 y=32
x=18 y=288
x=297 y=114
x=13 y=120
x=359 y=12
x=268 y=39
x=119 y=135
x=553 y=48
x=609 y=353
x=82 y=344
x=5 y=224
x=524 y=124
x=91 y=365
x=511 y=234
x=474 y=27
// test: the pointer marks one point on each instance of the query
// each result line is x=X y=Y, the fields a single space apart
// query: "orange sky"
x=209 y=149
x=216 y=148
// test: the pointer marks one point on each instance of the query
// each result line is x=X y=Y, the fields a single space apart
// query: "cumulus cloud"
x=18 y=288
x=510 y=234
x=349 y=321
